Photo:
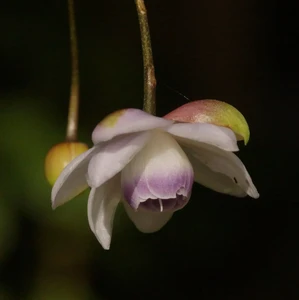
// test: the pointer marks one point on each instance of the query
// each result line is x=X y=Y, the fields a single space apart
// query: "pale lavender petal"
x=147 y=221
x=162 y=205
x=114 y=155
x=72 y=180
x=160 y=171
x=102 y=204
x=216 y=168
x=221 y=137
x=126 y=121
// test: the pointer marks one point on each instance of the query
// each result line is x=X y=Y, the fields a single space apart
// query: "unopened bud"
x=214 y=112
x=59 y=156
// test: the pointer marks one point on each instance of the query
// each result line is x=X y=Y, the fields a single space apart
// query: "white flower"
x=149 y=164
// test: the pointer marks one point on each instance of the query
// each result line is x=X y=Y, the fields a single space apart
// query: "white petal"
x=225 y=163
x=214 y=180
x=191 y=133
x=160 y=171
x=114 y=156
x=72 y=180
x=126 y=121
x=147 y=222
x=102 y=204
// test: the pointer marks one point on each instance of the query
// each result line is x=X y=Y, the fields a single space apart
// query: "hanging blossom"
x=149 y=164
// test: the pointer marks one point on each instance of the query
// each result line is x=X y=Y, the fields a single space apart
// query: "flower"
x=149 y=164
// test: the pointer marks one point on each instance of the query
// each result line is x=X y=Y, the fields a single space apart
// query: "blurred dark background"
x=218 y=247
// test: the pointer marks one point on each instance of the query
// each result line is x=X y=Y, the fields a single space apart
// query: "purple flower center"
x=160 y=205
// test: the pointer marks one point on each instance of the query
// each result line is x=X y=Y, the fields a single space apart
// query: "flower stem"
x=72 y=123
x=149 y=101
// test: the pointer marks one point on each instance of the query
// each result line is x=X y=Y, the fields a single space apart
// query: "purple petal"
x=162 y=205
x=160 y=171
x=167 y=187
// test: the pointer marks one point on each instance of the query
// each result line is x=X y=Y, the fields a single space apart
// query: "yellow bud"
x=59 y=156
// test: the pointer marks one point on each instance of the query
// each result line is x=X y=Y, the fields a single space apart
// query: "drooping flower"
x=149 y=164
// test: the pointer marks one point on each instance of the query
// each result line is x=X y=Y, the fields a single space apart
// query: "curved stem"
x=149 y=101
x=72 y=124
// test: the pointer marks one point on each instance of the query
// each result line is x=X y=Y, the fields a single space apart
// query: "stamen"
x=161 y=205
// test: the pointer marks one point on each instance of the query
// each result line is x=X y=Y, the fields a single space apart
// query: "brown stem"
x=72 y=123
x=149 y=101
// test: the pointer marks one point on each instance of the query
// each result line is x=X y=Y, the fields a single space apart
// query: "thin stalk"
x=149 y=101
x=72 y=123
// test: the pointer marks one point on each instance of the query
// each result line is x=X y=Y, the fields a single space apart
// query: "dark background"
x=218 y=247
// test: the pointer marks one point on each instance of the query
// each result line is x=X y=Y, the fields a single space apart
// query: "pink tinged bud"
x=213 y=112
